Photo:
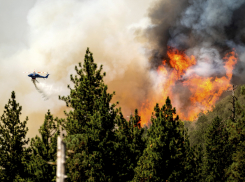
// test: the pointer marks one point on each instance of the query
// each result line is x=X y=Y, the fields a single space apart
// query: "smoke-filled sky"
x=130 y=38
x=203 y=28
x=207 y=29
x=52 y=36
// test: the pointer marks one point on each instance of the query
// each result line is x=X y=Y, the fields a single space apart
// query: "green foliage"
x=217 y=151
x=230 y=154
x=164 y=157
x=198 y=164
x=93 y=155
x=242 y=90
x=130 y=145
x=44 y=149
x=90 y=125
x=236 y=171
x=198 y=135
x=193 y=161
x=13 y=152
x=88 y=97
x=103 y=146
x=222 y=109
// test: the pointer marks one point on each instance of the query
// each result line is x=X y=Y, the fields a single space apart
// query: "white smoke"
x=208 y=62
x=57 y=35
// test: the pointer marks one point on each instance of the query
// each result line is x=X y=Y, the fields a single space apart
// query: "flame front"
x=203 y=91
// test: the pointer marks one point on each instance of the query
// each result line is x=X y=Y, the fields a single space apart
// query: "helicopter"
x=35 y=75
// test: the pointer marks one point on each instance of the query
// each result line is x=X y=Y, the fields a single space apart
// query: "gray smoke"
x=163 y=16
x=53 y=36
x=207 y=29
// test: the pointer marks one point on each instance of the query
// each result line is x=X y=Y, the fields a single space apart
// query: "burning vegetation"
x=203 y=91
x=196 y=53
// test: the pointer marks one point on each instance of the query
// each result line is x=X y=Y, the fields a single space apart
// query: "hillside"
x=221 y=109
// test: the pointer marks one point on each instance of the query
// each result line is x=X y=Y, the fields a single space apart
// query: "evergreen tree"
x=236 y=171
x=199 y=158
x=193 y=163
x=13 y=153
x=85 y=98
x=89 y=125
x=197 y=136
x=164 y=157
x=217 y=151
x=236 y=128
x=44 y=151
x=189 y=164
x=193 y=159
x=130 y=146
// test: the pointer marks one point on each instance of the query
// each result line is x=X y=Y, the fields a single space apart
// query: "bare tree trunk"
x=60 y=173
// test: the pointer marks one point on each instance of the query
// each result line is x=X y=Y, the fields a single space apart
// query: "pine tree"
x=197 y=136
x=13 y=153
x=130 y=146
x=193 y=159
x=193 y=163
x=236 y=171
x=163 y=159
x=44 y=151
x=189 y=164
x=217 y=151
x=199 y=158
x=89 y=125
x=89 y=89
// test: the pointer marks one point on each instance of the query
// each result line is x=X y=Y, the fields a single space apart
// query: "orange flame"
x=180 y=62
x=204 y=91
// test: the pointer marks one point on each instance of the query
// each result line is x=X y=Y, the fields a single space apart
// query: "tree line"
x=107 y=147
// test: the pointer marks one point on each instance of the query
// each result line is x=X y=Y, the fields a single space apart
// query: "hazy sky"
x=129 y=37
x=14 y=26
x=52 y=35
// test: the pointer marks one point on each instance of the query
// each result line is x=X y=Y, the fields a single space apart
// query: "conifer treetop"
x=88 y=79
x=88 y=95
x=12 y=140
x=44 y=149
x=165 y=147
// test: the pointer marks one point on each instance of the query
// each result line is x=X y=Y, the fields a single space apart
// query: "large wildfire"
x=204 y=91
x=196 y=53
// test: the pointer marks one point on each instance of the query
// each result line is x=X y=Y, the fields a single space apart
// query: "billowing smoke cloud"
x=56 y=36
x=129 y=38
x=207 y=29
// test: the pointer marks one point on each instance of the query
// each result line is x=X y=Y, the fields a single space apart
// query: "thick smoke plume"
x=52 y=36
x=206 y=29
x=130 y=38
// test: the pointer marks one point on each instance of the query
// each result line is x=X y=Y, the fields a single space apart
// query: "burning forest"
x=162 y=58
x=196 y=52
x=180 y=82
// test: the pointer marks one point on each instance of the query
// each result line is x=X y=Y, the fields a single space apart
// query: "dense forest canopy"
x=108 y=147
